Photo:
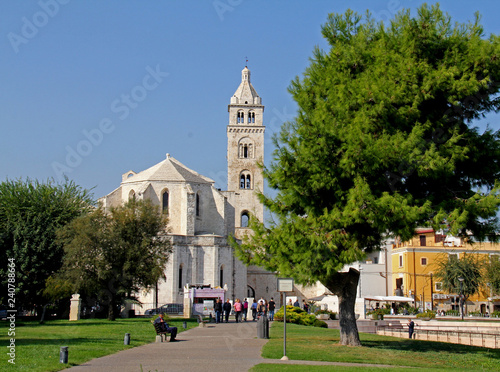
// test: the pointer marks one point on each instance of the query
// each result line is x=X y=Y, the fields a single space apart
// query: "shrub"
x=320 y=323
x=427 y=314
x=495 y=314
x=298 y=316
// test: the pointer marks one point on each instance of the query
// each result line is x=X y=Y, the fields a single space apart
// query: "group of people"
x=241 y=309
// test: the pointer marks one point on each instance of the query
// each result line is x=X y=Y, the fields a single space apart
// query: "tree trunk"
x=345 y=285
x=111 y=307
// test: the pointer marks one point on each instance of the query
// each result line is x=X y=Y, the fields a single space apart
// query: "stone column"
x=74 y=310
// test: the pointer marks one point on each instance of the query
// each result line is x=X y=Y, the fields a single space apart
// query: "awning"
x=320 y=297
x=389 y=298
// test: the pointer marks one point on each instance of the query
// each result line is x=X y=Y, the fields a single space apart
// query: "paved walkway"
x=215 y=347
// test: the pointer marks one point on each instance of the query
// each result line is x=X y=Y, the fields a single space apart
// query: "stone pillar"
x=74 y=310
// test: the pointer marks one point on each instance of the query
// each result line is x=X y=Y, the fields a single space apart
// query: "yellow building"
x=415 y=262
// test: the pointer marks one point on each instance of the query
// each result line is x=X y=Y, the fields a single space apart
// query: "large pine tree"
x=383 y=142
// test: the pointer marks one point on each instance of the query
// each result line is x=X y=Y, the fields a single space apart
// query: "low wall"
x=489 y=340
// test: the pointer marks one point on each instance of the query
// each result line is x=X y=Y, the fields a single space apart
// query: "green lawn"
x=311 y=343
x=38 y=346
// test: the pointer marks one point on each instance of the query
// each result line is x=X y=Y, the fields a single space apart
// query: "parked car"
x=167 y=309
x=3 y=312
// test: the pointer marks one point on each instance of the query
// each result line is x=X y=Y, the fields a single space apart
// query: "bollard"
x=184 y=325
x=126 y=340
x=266 y=326
x=63 y=355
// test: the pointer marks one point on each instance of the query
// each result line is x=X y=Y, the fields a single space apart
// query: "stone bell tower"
x=245 y=148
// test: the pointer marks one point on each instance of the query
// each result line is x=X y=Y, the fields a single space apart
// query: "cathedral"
x=201 y=217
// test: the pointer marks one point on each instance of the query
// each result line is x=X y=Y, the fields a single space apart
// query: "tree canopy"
x=492 y=276
x=30 y=214
x=383 y=142
x=111 y=256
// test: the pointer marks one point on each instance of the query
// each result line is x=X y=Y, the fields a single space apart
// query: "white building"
x=202 y=217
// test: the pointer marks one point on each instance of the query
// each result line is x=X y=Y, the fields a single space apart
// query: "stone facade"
x=202 y=217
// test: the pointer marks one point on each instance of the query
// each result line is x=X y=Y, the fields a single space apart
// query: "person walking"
x=271 y=305
x=261 y=308
x=254 y=310
x=245 y=309
x=305 y=306
x=227 y=309
x=237 y=309
x=411 y=328
x=218 y=310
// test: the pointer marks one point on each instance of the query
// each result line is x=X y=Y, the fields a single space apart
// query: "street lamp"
x=460 y=279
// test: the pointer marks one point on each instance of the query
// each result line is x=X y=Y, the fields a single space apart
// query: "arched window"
x=131 y=195
x=251 y=117
x=250 y=292
x=245 y=180
x=180 y=277
x=245 y=148
x=244 y=219
x=197 y=205
x=221 y=276
x=240 y=117
x=164 y=202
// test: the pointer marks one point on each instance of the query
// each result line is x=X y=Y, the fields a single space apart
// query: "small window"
x=438 y=286
x=242 y=181
x=244 y=219
x=249 y=183
x=245 y=151
x=423 y=261
x=180 y=277
x=131 y=195
x=422 y=241
x=197 y=205
x=221 y=276
x=375 y=260
x=400 y=260
x=164 y=202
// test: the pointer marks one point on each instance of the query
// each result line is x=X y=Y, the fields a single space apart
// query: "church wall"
x=113 y=199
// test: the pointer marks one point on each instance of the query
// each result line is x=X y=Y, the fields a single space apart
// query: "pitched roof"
x=171 y=170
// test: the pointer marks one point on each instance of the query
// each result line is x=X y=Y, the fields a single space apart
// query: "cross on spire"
x=246 y=61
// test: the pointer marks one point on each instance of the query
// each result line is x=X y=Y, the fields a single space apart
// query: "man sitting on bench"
x=165 y=328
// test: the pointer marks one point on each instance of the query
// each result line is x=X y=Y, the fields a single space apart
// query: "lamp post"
x=460 y=279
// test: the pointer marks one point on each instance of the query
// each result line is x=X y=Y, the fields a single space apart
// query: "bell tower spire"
x=245 y=149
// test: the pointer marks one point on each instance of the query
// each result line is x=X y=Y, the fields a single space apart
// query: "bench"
x=201 y=322
x=160 y=333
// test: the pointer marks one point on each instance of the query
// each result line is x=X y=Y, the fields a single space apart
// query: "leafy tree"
x=111 y=256
x=470 y=267
x=30 y=214
x=383 y=142
x=493 y=275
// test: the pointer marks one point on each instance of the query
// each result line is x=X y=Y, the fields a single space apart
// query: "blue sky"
x=97 y=88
